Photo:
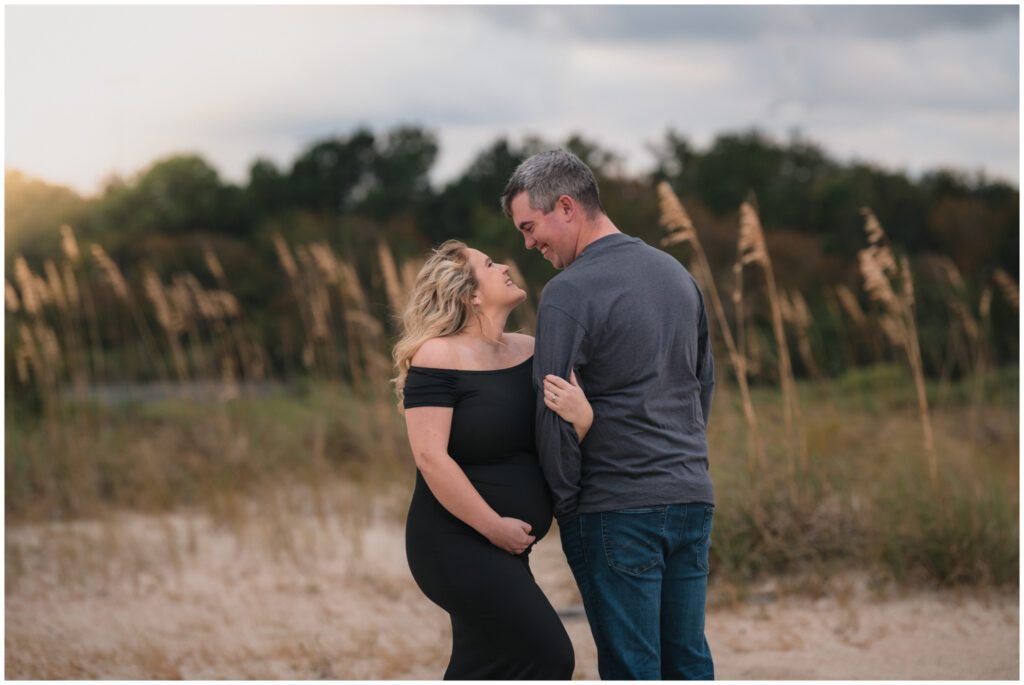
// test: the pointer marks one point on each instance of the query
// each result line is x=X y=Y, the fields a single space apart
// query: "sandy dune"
x=175 y=597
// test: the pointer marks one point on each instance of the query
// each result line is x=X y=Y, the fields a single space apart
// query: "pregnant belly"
x=515 y=488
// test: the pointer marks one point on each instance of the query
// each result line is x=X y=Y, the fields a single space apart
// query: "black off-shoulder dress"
x=503 y=627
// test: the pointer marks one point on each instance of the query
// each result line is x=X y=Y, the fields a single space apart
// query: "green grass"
x=158 y=455
x=863 y=498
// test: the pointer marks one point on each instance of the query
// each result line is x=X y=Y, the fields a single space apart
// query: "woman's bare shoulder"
x=436 y=353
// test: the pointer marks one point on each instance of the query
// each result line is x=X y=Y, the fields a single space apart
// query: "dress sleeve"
x=429 y=388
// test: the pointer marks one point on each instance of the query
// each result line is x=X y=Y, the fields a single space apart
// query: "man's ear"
x=566 y=207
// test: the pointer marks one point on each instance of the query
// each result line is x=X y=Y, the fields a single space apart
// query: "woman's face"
x=494 y=284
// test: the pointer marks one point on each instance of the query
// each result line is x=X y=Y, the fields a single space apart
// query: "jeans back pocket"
x=633 y=538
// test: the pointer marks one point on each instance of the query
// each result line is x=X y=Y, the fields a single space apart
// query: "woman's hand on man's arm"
x=566 y=399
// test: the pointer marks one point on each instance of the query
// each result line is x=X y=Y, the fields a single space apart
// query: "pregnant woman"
x=480 y=501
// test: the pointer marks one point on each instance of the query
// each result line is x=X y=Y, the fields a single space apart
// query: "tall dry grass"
x=892 y=285
x=83 y=323
x=65 y=323
x=791 y=515
x=796 y=313
x=681 y=231
x=1008 y=287
x=753 y=251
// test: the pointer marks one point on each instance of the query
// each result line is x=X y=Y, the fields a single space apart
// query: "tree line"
x=357 y=191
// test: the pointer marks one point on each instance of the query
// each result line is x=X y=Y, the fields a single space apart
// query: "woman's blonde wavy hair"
x=439 y=305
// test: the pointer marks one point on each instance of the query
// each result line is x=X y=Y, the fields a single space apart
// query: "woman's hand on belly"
x=511 y=535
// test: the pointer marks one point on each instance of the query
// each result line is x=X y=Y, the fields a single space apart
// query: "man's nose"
x=530 y=242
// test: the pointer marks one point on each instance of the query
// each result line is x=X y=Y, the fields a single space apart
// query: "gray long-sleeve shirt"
x=631 y=321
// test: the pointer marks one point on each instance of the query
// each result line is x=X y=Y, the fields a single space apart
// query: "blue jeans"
x=643 y=576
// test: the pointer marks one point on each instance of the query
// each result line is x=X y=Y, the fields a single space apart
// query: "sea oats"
x=907 y=280
x=351 y=286
x=411 y=269
x=26 y=281
x=28 y=350
x=154 y=290
x=213 y=264
x=305 y=259
x=365 y=321
x=320 y=307
x=956 y=300
x=676 y=220
x=796 y=312
x=878 y=244
x=787 y=309
x=392 y=285
x=11 y=297
x=682 y=230
x=872 y=227
x=985 y=304
x=876 y=284
x=878 y=267
x=68 y=243
x=894 y=329
x=111 y=271
x=849 y=302
x=308 y=355
x=227 y=304
x=674 y=217
x=324 y=258
x=803 y=312
x=1008 y=286
x=379 y=363
x=229 y=379
x=71 y=285
x=752 y=247
x=180 y=295
x=53 y=281
x=42 y=289
x=968 y=321
x=285 y=257
x=952 y=273
x=206 y=308
x=168 y=316
x=21 y=361
x=48 y=344
x=316 y=297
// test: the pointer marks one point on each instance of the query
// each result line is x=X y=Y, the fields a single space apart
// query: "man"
x=634 y=500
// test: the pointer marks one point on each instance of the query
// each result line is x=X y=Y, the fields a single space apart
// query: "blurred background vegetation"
x=181 y=341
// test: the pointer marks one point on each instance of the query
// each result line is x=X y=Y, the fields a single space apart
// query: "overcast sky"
x=97 y=90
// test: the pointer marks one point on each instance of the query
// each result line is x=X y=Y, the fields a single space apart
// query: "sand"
x=173 y=596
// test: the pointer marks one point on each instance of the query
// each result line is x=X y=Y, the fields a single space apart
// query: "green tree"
x=327 y=176
x=400 y=172
x=34 y=211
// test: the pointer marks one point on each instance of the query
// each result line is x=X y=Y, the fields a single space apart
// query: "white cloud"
x=96 y=89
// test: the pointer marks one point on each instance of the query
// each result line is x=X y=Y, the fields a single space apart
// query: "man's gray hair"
x=546 y=176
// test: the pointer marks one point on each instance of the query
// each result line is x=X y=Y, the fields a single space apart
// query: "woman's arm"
x=429 y=429
x=568 y=401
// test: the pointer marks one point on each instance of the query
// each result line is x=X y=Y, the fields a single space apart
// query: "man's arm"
x=705 y=360
x=559 y=348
